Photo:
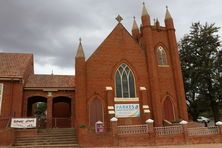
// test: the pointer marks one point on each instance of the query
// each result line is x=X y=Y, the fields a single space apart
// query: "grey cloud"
x=50 y=28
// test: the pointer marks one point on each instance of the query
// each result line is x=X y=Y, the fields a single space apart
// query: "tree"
x=200 y=54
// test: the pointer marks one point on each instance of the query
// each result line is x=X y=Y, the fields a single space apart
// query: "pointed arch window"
x=161 y=56
x=95 y=112
x=125 y=82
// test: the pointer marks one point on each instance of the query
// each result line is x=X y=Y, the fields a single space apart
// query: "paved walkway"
x=179 y=146
x=186 y=146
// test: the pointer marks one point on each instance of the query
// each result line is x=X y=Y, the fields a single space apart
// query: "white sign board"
x=127 y=110
x=23 y=123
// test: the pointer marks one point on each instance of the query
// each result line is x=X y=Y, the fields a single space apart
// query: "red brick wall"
x=12 y=98
x=119 y=47
x=31 y=93
x=7 y=136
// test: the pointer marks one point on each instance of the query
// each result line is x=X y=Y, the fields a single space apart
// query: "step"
x=42 y=138
x=51 y=135
x=54 y=146
x=57 y=129
x=49 y=138
x=45 y=140
x=46 y=143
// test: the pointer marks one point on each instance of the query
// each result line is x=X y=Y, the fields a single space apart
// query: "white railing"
x=201 y=131
x=169 y=130
x=132 y=129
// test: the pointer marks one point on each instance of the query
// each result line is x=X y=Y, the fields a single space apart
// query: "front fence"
x=168 y=130
x=132 y=129
x=200 y=131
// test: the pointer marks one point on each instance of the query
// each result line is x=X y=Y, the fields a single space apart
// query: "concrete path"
x=186 y=146
x=177 y=146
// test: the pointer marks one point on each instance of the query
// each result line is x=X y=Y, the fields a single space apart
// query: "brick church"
x=133 y=77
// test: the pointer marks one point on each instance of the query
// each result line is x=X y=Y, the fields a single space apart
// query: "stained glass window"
x=161 y=56
x=125 y=82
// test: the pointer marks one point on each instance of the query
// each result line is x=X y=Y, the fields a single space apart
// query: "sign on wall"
x=127 y=110
x=1 y=96
x=23 y=123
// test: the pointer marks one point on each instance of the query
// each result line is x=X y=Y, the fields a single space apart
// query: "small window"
x=1 y=96
x=161 y=56
x=125 y=82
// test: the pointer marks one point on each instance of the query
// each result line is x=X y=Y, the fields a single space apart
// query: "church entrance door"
x=61 y=114
x=168 y=110
x=36 y=107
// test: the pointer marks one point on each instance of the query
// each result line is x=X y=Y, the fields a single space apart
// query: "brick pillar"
x=110 y=103
x=114 y=131
x=80 y=93
x=153 y=75
x=145 y=107
x=49 y=112
x=151 y=130
x=150 y=126
x=177 y=72
x=185 y=130
x=220 y=128
x=219 y=124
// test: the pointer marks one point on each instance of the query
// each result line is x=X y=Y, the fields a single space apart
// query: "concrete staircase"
x=58 y=137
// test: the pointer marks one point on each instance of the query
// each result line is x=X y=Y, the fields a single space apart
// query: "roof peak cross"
x=119 y=18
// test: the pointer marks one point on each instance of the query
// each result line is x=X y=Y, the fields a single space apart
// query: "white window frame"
x=1 y=96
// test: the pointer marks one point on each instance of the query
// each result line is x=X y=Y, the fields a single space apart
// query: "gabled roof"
x=14 y=64
x=117 y=33
x=50 y=81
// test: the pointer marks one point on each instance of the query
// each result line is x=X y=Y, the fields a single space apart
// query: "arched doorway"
x=61 y=112
x=37 y=107
x=168 y=113
x=95 y=111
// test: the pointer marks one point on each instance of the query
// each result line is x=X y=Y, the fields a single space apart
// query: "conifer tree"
x=200 y=54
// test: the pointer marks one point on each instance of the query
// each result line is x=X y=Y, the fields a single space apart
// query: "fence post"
x=149 y=123
x=219 y=124
x=151 y=132
x=114 y=130
x=185 y=130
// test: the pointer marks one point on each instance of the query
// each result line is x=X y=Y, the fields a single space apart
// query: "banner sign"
x=127 y=110
x=23 y=123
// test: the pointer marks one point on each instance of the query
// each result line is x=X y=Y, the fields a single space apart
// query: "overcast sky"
x=50 y=29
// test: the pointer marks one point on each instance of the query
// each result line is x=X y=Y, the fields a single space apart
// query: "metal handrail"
x=56 y=120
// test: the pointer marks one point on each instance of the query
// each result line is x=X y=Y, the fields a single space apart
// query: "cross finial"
x=119 y=18
x=166 y=7
x=80 y=40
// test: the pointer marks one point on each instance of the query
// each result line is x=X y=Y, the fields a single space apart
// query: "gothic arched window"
x=125 y=84
x=161 y=56
x=95 y=112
